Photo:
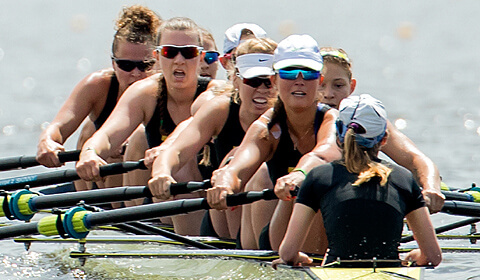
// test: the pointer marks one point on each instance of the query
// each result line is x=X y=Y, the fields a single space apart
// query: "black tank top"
x=152 y=129
x=363 y=221
x=231 y=135
x=109 y=103
x=286 y=156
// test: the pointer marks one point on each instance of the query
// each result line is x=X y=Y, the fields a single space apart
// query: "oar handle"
x=68 y=156
x=62 y=176
x=188 y=187
x=9 y=163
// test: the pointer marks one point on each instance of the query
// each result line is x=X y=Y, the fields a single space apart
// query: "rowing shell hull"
x=367 y=273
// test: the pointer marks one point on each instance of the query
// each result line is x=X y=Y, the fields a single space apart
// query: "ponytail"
x=358 y=159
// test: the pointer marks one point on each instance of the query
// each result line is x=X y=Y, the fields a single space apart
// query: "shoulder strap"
x=202 y=85
x=110 y=103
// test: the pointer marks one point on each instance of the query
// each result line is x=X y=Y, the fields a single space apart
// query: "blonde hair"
x=342 y=59
x=358 y=159
x=136 y=24
x=180 y=24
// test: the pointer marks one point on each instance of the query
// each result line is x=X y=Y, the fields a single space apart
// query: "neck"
x=299 y=121
x=181 y=95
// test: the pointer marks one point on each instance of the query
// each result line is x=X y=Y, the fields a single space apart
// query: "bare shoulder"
x=331 y=114
x=145 y=87
x=99 y=78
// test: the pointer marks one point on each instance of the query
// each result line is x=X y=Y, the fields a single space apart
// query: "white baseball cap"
x=254 y=64
x=232 y=35
x=298 y=51
x=365 y=111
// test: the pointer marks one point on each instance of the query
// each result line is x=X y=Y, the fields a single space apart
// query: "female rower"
x=363 y=200
x=138 y=147
x=225 y=118
x=96 y=95
x=338 y=83
x=292 y=138
x=160 y=101
x=210 y=54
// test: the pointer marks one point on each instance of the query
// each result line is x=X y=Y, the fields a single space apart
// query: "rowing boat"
x=145 y=252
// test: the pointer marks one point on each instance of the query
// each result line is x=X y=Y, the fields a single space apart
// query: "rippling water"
x=420 y=57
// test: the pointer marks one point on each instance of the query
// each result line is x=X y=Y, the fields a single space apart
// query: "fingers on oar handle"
x=188 y=187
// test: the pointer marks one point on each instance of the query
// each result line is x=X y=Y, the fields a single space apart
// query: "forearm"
x=166 y=163
x=426 y=173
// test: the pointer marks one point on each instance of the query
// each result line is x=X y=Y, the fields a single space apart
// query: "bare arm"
x=404 y=152
x=86 y=98
x=297 y=231
x=429 y=252
x=256 y=147
x=136 y=105
x=208 y=122
x=325 y=150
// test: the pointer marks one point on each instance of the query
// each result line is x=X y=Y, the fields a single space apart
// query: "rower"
x=338 y=83
x=94 y=98
x=363 y=200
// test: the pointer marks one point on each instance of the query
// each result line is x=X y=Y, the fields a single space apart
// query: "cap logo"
x=262 y=60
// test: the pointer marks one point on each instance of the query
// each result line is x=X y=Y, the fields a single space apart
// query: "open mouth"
x=205 y=75
x=260 y=101
x=179 y=74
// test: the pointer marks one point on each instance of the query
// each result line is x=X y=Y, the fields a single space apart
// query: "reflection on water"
x=419 y=57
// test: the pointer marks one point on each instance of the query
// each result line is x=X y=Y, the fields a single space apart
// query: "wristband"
x=301 y=170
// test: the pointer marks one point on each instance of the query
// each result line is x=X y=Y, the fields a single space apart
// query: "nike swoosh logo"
x=262 y=60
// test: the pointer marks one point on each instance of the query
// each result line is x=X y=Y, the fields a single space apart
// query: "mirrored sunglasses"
x=210 y=56
x=128 y=65
x=293 y=74
x=171 y=51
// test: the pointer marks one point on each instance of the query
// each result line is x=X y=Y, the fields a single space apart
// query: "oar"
x=445 y=228
x=67 y=175
x=463 y=208
x=77 y=222
x=23 y=204
x=8 y=163
x=471 y=195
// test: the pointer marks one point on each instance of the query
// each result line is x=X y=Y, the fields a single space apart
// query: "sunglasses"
x=128 y=65
x=226 y=57
x=257 y=82
x=171 y=51
x=293 y=74
x=210 y=56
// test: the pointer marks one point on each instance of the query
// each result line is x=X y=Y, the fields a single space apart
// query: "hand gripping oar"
x=30 y=161
x=23 y=204
x=77 y=222
x=63 y=176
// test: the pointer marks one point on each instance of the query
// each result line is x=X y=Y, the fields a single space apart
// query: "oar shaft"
x=449 y=195
x=18 y=230
x=463 y=208
x=30 y=161
x=169 y=208
x=63 y=176
x=445 y=228
x=89 y=197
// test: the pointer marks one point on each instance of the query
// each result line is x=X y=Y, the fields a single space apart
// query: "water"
x=419 y=57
